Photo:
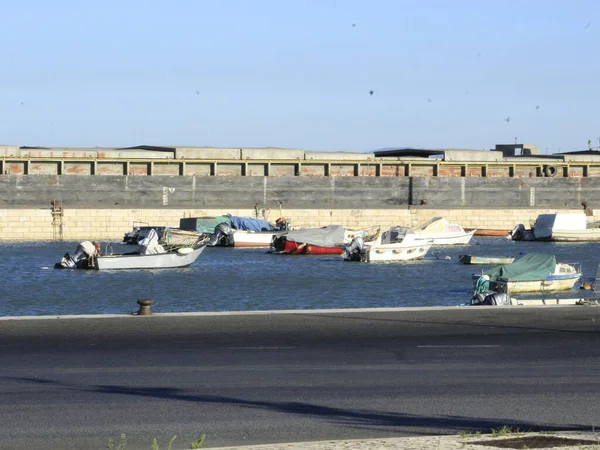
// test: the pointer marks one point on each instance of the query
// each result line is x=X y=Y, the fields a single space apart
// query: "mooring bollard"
x=145 y=307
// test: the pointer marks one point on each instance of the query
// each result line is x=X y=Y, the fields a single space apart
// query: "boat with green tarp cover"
x=533 y=272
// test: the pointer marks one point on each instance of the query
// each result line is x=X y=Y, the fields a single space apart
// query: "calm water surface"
x=228 y=279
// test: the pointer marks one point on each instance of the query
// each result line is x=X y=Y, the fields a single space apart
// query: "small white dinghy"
x=174 y=250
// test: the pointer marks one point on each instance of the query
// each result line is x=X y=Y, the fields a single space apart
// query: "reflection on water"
x=228 y=279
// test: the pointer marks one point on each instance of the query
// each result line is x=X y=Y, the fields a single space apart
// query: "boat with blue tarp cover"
x=235 y=231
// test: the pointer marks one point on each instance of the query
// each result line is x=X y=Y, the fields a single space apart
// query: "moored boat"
x=485 y=260
x=440 y=232
x=173 y=251
x=236 y=231
x=532 y=273
x=328 y=240
x=393 y=245
x=560 y=227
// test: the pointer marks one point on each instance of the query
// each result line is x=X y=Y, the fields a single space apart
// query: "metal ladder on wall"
x=57 y=219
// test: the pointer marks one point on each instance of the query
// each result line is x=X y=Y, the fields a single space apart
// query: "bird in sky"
x=371 y=92
x=507 y=120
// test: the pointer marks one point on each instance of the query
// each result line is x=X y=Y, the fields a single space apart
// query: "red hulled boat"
x=327 y=240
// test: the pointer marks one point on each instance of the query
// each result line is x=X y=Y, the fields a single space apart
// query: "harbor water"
x=231 y=279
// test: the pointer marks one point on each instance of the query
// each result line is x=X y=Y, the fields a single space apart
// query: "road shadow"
x=396 y=422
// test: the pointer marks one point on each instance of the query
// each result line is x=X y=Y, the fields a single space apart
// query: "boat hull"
x=449 y=238
x=587 y=235
x=550 y=284
x=492 y=233
x=483 y=260
x=282 y=245
x=169 y=260
x=396 y=252
x=252 y=239
x=309 y=249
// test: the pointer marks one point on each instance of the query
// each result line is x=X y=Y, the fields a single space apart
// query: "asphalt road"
x=75 y=383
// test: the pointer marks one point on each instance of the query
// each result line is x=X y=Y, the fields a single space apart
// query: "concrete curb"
x=282 y=311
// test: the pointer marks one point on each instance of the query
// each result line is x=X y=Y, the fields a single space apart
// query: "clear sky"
x=291 y=73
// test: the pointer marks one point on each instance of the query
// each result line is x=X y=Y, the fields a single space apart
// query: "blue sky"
x=459 y=74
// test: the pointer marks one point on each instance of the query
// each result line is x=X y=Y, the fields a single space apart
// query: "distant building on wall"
x=518 y=149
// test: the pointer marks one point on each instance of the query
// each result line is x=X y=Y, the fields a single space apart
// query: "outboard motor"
x=491 y=298
x=518 y=232
x=483 y=295
x=352 y=251
x=281 y=224
x=223 y=230
x=80 y=259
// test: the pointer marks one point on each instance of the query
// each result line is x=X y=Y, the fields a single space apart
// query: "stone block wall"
x=112 y=224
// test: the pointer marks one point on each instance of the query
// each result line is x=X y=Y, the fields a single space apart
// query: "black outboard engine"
x=223 y=233
x=518 y=232
x=81 y=259
x=491 y=298
x=281 y=224
x=353 y=250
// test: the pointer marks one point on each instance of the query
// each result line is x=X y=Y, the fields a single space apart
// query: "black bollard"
x=145 y=307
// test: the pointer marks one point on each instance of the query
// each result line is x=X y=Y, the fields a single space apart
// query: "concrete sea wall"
x=201 y=192
x=105 y=207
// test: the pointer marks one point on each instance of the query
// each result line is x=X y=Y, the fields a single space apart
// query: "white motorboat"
x=531 y=273
x=182 y=257
x=561 y=227
x=394 y=244
x=440 y=232
x=174 y=250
